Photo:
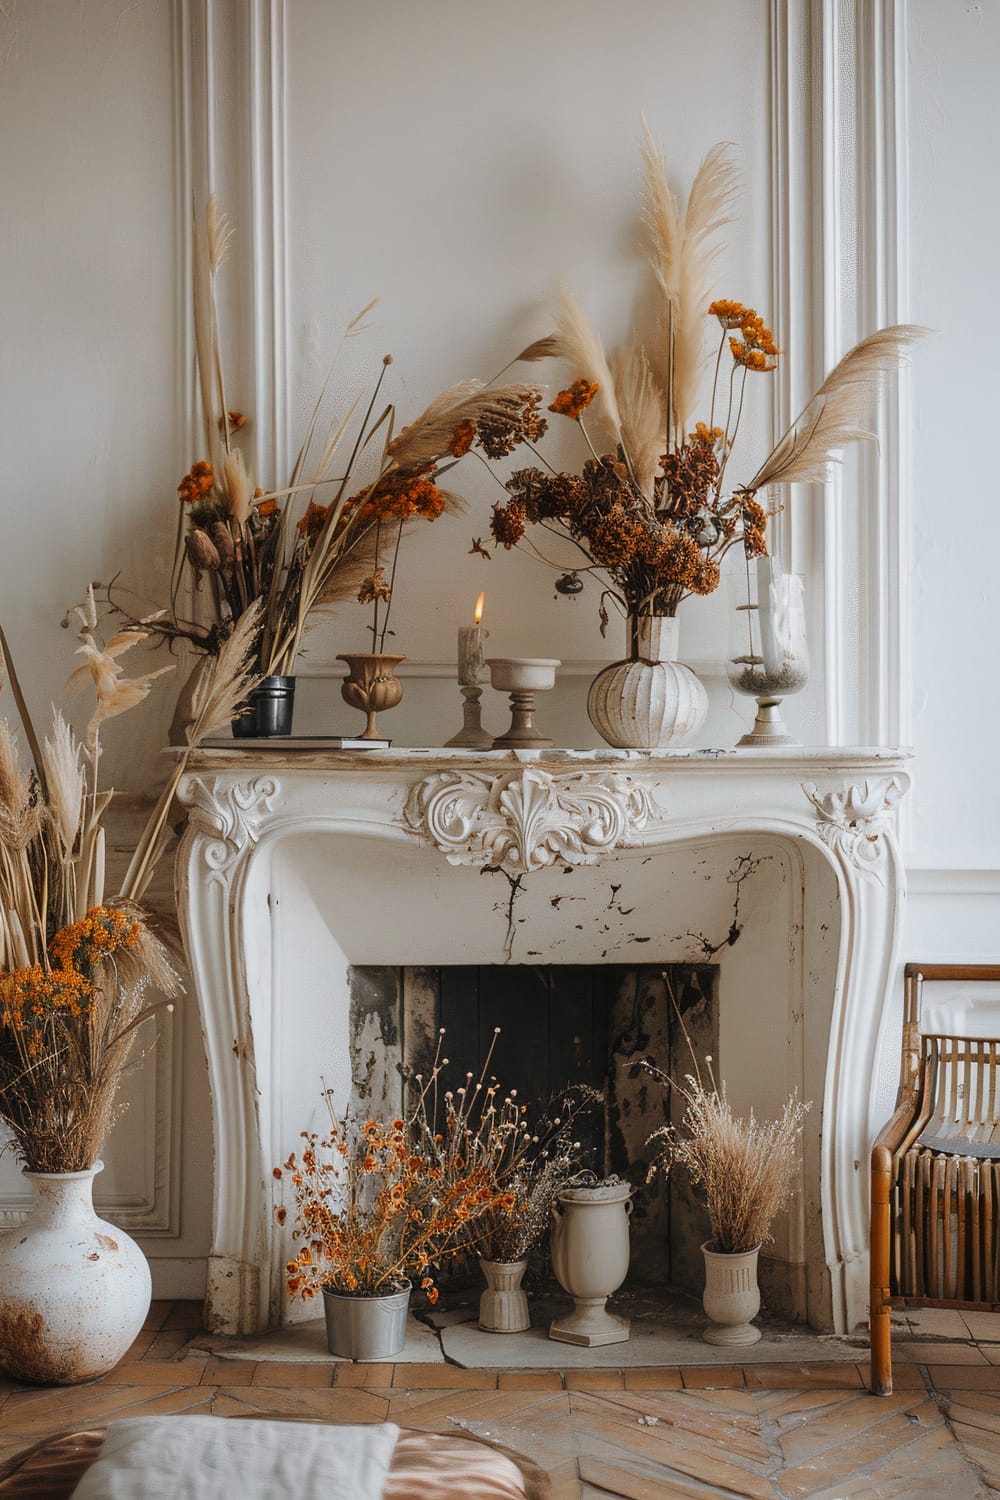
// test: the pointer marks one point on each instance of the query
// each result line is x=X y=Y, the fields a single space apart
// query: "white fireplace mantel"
x=388 y=845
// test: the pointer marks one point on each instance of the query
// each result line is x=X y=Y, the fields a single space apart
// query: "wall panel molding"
x=839 y=190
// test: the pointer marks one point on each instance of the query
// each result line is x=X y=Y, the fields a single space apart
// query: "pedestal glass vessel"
x=768 y=655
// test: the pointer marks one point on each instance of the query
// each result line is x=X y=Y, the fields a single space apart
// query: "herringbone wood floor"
x=766 y=1432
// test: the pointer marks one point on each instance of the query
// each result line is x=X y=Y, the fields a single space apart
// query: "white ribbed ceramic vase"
x=74 y=1290
x=503 y=1307
x=731 y=1297
x=651 y=700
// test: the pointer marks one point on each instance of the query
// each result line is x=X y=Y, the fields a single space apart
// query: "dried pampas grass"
x=841 y=412
x=581 y=346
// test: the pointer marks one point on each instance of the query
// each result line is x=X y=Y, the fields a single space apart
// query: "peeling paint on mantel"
x=609 y=851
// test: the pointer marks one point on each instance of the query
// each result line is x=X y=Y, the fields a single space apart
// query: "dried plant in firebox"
x=742 y=1167
x=530 y=1158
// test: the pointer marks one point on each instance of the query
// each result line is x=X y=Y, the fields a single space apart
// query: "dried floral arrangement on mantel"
x=651 y=513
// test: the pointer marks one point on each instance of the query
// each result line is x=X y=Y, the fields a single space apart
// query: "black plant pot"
x=269 y=710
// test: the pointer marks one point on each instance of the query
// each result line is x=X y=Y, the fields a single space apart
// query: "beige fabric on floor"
x=203 y=1458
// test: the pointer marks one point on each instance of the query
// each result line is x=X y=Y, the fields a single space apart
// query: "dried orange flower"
x=197 y=482
x=573 y=401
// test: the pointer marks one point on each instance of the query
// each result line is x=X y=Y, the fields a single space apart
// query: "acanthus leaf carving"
x=527 y=819
x=231 y=811
x=853 y=821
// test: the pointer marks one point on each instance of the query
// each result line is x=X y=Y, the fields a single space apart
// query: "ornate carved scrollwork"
x=526 y=819
x=232 y=812
x=853 y=821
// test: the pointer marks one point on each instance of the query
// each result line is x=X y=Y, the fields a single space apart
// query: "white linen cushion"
x=214 y=1458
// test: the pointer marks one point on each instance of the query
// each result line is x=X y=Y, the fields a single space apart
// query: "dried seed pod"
x=222 y=537
x=201 y=550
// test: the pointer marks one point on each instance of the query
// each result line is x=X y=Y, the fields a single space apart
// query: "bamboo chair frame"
x=935 y=1173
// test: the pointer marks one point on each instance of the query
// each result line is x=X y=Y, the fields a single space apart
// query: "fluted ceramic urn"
x=650 y=701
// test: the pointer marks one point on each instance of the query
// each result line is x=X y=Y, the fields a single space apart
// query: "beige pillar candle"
x=471 y=649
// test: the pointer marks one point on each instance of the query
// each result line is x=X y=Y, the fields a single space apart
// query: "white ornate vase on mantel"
x=651 y=700
x=74 y=1289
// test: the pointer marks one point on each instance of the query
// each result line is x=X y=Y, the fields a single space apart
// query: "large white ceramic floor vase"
x=650 y=701
x=74 y=1289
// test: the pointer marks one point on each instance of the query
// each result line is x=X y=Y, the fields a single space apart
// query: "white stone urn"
x=732 y=1296
x=590 y=1256
x=74 y=1289
x=503 y=1307
x=651 y=700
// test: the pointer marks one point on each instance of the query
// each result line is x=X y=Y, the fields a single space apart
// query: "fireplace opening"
x=560 y=1025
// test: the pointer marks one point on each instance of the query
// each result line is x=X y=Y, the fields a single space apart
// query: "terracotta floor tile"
x=682 y=1414
x=278 y=1373
x=167 y=1344
x=157 y=1372
x=315 y=1405
x=158 y=1314
x=936 y=1322
x=964 y=1377
x=595 y=1380
x=375 y=1377
x=803 y=1377
x=653 y=1380
x=529 y=1380
x=976 y=1435
x=439 y=1412
x=691 y=1457
x=983 y=1325
x=442 y=1377
x=850 y=1420
x=905 y=1377
x=187 y=1315
x=861 y=1451
x=938 y=1354
x=712 y=1377
x=226 y=1371
x=639 y=1484
x=140 y=1344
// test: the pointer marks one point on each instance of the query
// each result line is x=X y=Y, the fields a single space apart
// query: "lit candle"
x=471 y=655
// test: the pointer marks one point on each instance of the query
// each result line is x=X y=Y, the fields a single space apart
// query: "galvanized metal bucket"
x=366 y=1328
x=269 y=713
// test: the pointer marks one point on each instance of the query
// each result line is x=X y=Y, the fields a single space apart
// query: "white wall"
x=954 y=228
x=455 y=158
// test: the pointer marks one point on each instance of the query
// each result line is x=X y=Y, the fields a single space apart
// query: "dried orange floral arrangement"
x=462 y=1172
x=333 y=532
x=651 y=511
x=80 y=969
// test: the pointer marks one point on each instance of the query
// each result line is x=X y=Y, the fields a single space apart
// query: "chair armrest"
x=895 y=1131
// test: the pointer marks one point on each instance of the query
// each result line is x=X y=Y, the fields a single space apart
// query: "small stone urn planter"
x=732 y=1296
x=590 y=1256
x=503 y=1307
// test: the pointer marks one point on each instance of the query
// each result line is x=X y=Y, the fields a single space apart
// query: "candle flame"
x=479 y=608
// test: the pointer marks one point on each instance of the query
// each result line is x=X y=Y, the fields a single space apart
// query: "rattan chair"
x=935 y=1204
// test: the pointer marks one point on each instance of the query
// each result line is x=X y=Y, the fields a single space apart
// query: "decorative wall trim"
x=839 y=192
x=931 y=881
x=264 y=108
x=527 y=819
x=853 y=821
